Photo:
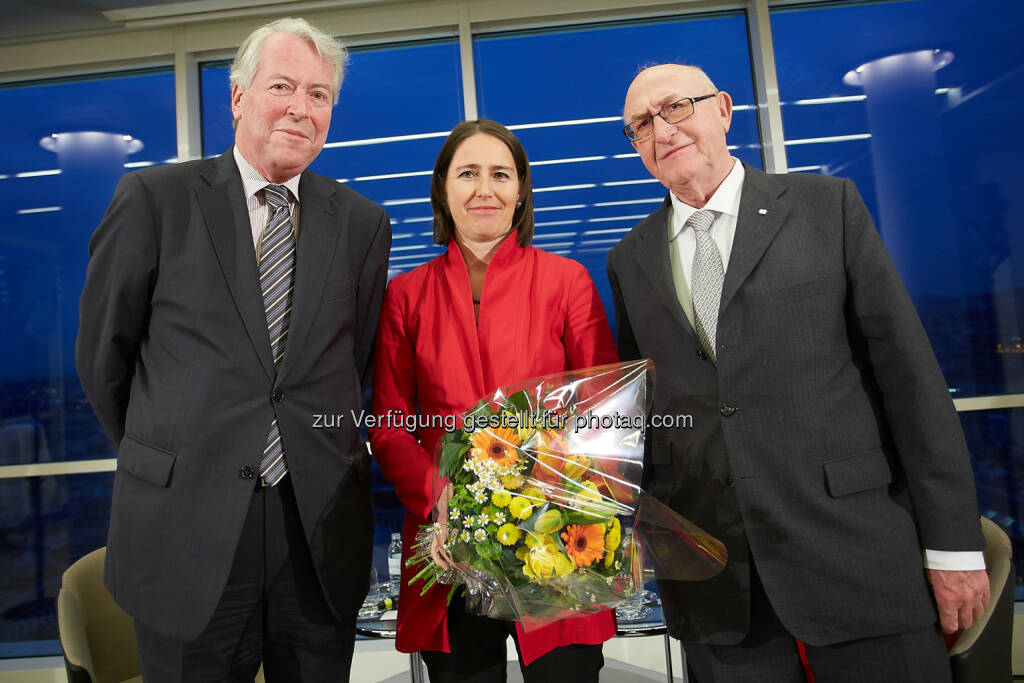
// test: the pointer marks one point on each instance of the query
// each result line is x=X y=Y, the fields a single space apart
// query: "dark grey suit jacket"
x=824 y=441
x=174 y=356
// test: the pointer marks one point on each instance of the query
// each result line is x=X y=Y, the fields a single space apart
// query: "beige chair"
x=98 y=637
x=981 y=654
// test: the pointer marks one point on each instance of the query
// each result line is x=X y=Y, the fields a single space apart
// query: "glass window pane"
x=995 y=438
x=922 y=111
x=562 y=90
x=66 y=144
x=46 y=523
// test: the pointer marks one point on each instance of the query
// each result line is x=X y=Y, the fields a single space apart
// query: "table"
x=386 y=626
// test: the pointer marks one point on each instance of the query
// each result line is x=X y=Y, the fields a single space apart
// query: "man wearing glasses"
x=825 y=450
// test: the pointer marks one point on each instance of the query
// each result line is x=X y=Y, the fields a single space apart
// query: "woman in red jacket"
x=491 y=311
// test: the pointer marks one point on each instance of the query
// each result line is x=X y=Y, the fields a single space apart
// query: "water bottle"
x=395 y=563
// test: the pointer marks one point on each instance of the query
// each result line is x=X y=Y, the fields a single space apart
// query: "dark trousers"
x=769 y=654
x=478 y=654
x=272 y=611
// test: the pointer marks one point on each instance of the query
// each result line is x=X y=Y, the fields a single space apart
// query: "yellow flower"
x=511 y=482
x=498 y=444
x=534 y=494
x=575 y=465
x=501 y=498
x=544 y=559
x=584 y=543
x=590 y=501
x=589 y=492
x=614 y=535
x=520 y=508
x=548 y=522
x=509 y=534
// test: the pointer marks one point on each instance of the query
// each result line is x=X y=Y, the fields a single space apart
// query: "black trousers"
x=272 y=611
x=769 y=654
x=478 y=654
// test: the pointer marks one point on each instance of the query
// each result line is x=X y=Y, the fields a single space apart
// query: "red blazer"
x=539 y=314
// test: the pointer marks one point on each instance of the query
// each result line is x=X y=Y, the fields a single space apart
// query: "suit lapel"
x=652 y=259
x=222 y=203
x=317 y=235
x=762 y=212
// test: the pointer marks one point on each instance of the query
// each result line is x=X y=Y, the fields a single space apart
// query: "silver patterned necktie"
x=277 y=274
x=708 y=275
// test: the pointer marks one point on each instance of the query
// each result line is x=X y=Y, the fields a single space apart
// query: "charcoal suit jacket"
x=824 y=443
x=175 y=359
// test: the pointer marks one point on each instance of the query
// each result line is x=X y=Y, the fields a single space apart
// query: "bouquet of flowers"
x=544 y=479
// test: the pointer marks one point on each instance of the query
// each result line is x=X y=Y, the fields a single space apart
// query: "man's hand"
x=437 y=550
x=961 y=597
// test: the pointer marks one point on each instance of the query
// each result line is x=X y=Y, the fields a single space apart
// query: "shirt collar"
x=253 y=182
x=726 y=199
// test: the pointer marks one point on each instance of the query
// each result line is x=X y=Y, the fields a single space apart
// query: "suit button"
x=278 y=396
x=726 y=410
x=246 y=472
x=731 y=481
x=701 y=355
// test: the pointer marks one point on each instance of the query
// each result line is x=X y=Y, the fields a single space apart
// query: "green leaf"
x=490 y=550
x=520 y=401
x=453 y=451
x=577 y=517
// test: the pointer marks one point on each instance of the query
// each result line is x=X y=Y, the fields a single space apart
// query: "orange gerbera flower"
x=584 y=543
x=497 y=444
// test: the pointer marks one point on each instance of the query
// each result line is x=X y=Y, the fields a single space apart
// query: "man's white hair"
x=247 y=61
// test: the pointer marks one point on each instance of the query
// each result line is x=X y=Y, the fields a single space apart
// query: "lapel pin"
x=762 y=211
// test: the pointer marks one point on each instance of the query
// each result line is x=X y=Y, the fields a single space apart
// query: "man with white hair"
x=228 y=302
x=825 y=450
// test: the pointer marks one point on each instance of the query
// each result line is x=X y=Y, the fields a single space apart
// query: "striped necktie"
x=708 y=275
x=277 y=275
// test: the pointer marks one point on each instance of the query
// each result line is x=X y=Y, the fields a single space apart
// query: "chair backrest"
x=98 y=637
x=982 y=653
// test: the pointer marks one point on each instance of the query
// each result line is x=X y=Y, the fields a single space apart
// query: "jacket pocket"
x=338 y=290
x=806 y=288
x=854 y=473
x=146 y=462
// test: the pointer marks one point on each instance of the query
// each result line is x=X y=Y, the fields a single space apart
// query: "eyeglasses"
x=643 y=127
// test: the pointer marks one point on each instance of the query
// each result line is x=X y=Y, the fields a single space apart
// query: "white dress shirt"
x=725 y=203
x=256 y=202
